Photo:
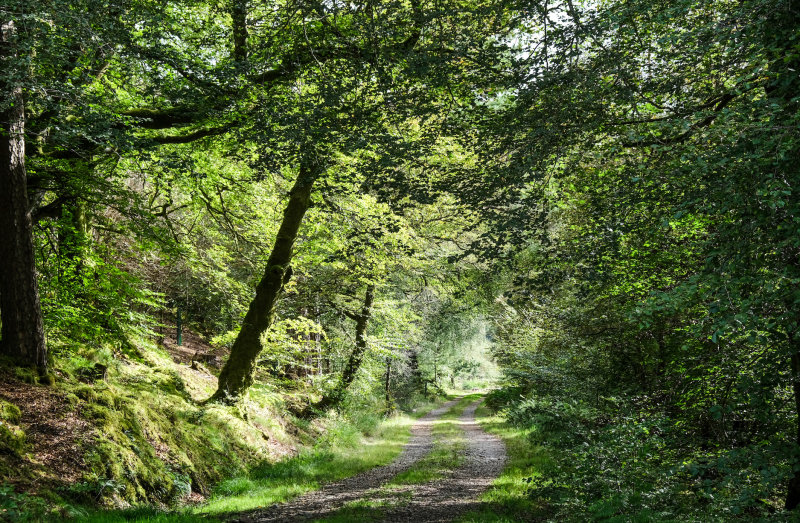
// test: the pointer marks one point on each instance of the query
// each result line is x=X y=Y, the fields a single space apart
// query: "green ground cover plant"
x=509 y=499
x=350 y=446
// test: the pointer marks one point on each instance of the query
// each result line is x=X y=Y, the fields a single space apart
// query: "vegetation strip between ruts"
x=334 y=495
x=446 y=454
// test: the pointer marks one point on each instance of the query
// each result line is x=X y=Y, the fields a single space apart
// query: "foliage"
x=650 y=307
x=603 y=193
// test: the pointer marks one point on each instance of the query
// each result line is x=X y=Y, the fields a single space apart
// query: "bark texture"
x=20 y=312
x=237 y=374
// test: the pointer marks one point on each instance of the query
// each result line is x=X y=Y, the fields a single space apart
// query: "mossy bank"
x=117 y=430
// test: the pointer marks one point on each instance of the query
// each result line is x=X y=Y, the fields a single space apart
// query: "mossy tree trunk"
x=362 y=320
x=237 y=374
x=22 y=330
x=356 y=357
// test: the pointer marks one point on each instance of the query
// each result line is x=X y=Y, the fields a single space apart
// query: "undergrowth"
x=610 y=462
x=351 y=443
x=508 y=499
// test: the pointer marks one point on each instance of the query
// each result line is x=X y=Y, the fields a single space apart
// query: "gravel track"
x=331 y=497
x=446 y=499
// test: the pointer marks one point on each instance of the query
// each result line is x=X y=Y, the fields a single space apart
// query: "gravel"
x=441 y=500
x=446 y=499
x=333 y=496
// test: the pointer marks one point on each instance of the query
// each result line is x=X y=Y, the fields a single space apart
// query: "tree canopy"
x=359 y=199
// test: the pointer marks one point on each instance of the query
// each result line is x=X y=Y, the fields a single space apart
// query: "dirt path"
x=333 y=496
x=441 y=500
x=458 y=493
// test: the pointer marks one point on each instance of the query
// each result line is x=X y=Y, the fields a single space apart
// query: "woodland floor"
x=466 y=460
x=53 y=429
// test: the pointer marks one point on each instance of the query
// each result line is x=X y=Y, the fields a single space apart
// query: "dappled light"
x=451 y=260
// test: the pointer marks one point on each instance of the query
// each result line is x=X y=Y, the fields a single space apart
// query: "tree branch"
x=705 y=122
x=194 y=136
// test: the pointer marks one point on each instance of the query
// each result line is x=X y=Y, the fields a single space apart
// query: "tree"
x=650 y=222
x=237 y=374
x=22 y=327
x=365 y=75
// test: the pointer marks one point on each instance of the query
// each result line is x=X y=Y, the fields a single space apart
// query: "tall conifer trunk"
x=22 y=331
x=237 y=374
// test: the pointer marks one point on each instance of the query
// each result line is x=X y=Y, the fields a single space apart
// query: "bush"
x=20 y=507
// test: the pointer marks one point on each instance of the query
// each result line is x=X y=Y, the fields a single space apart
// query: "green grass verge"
x=507 y=500
x=343 y=453
x=273 y=483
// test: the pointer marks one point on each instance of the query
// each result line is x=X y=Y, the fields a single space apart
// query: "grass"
x=344 y=452
x=448 y=448
x=447 y=454
x=273 y=483
x=507 y=500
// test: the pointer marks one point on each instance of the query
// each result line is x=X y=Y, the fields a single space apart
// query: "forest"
x=399 y=260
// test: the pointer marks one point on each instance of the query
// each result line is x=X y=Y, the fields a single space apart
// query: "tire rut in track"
x=447 y=498
x=331 y=497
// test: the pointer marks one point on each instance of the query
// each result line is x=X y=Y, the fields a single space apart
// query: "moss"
x=172 y=383
x=72 y=399
x=12 y=439
x=27 y=375
x=85 y=392
x=152 y=443
x=9 y=412
x=99 y=395
x=48 y=379
x=98 y=413
x=106 y=398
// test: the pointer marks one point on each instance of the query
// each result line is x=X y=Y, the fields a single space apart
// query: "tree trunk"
x=388 y=385
x=416 y=375
x=22 y=330
x=237 y=374
x=239 y=17
x=354 y=362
